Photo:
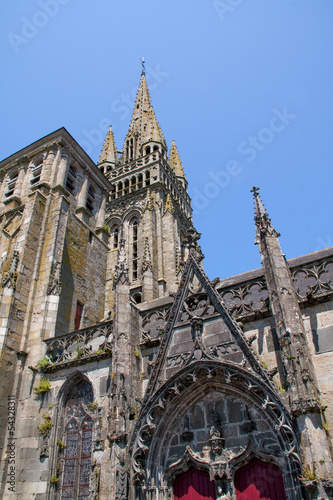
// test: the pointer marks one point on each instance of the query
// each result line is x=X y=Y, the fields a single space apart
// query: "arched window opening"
x=147 y=178
x=71 y=178
x=258 y=480
x=115 y=237
x=126 y=186
x=113 y=193
x=102 y=169
x=90 y=199
x=36 y=173
x=137 y=298
x=195 y=485
x=133 y=183
x=147 y=150
x=130 y=149
x=134 y=245
x=120 y=189
x=11 y=184
x=78 y=426
x=155 y=148
x=140 y=181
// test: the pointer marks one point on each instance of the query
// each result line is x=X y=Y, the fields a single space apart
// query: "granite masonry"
x=129 y=373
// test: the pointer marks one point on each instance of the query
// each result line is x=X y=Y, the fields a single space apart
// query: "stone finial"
x=263 y=222
x=192 y=239
x=109 y=150
x=121 y=270
x=175 y=162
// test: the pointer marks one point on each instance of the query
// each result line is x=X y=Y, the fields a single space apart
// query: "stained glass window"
x=78 y=441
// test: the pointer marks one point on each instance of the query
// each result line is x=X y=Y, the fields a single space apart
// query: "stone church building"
x=125 y=372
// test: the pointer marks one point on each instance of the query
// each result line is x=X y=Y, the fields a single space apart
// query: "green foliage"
x=326 y=427
x=106 y=228
x=137 y=353
x=50 y=407
x=61 y=445
x=43 y=386
x=308 y=474
x=93 y=406
x=264 y=364
x=143 y=374
x=280 y=388
x=43 y=363
x=54 y=480
x=79 y=352
x=99 y=351
x=46 y=424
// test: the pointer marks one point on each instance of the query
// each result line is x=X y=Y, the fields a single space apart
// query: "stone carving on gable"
x=314 y=280
x=153 y=324
x=9 y=271
x=12 y=224
x=247 y=300
x=197 y=375
x=54 y=286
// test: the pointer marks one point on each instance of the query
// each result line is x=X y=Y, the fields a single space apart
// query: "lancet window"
x=134 y=248
x=11 y=183
x=78 y=443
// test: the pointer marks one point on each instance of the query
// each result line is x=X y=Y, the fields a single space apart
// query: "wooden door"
x=194 y=485
x=259 y=481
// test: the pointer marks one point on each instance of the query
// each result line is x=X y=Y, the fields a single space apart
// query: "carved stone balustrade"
x=80 y=347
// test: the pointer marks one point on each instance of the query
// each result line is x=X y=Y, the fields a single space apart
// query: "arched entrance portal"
x=259 y=481
x=194 y=485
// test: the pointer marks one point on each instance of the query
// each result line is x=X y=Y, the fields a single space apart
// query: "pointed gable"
x=200 y=328
x=144 y=126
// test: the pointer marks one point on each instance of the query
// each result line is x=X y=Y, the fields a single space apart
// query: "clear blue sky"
x=244 y=88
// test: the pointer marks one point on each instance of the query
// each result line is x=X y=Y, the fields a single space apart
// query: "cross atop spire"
x=143 y=62
x=263 y=222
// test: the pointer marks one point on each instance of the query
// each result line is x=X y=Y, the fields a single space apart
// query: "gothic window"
x=36 y=173
x=120 y=189
x=11 y=183
x=78 y=444
x=126 y=186
x=71 y=178
x=133 y=184
x=130 y=149
x=90 y=198
x=140 y=181
x=147 y=150
x=134 y=248
x=115 y=236
x=155 y=149
x=147 y=178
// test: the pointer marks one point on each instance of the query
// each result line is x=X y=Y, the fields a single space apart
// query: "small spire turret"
x=175 y=163
x=108 y=157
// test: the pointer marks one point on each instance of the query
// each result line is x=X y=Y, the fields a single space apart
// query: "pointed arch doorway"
x=194 y=485
x=259 y=481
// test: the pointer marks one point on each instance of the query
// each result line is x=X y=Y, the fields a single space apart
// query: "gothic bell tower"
x=149 y=206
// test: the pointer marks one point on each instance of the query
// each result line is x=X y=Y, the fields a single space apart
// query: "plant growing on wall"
x=43 y=386
x=43 y=364
x=46 y=424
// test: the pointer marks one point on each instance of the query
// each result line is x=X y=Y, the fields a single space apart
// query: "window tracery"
x=78 y=429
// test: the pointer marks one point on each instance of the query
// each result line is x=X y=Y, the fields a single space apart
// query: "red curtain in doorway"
x=194 y=485
x=259 y=481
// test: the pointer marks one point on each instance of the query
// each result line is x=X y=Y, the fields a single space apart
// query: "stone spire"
x=296 y=369
x=263 y=222
x=144 y=126
x=108 y=156
x=175 y=162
